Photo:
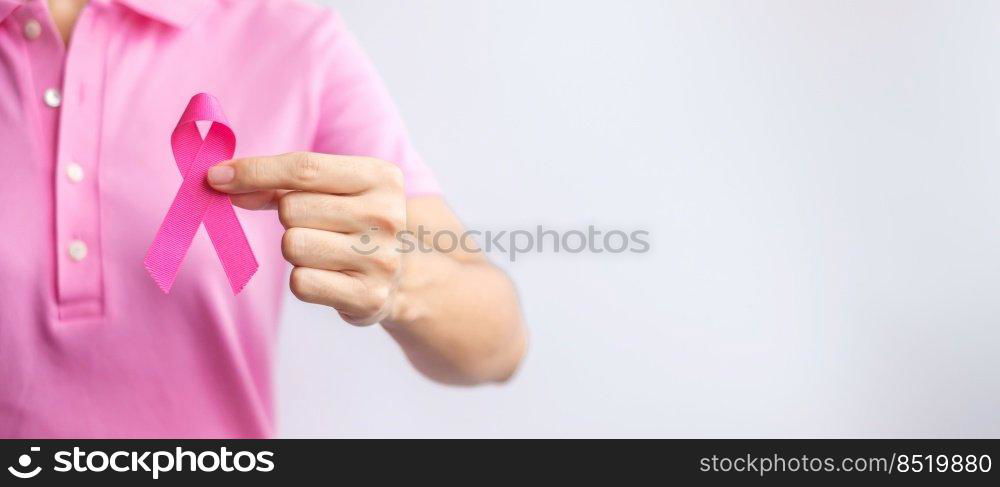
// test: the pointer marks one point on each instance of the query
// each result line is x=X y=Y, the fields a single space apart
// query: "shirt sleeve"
x=357 y=116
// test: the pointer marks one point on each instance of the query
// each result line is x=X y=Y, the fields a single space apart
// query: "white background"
x=820 y=179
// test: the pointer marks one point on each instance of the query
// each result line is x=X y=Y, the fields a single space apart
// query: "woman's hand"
x=455 y=315
x=341 y=216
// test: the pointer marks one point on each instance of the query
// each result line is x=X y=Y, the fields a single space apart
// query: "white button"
x=53 y=98
x=74 y=172
x=32 y=29
x=77 y=250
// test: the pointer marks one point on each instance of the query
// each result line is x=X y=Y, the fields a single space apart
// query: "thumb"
x=254 y=200
x=257 y=200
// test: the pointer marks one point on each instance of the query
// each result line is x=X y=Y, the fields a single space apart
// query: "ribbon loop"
x=197 y=202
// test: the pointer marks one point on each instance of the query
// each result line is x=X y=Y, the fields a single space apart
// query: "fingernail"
x=221 y=174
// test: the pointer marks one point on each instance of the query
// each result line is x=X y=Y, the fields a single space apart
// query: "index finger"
x=304 y=171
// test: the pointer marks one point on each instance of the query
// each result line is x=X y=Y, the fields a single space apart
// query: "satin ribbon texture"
x=197 y=202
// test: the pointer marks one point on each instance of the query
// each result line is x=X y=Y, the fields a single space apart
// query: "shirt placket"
x=68 y=88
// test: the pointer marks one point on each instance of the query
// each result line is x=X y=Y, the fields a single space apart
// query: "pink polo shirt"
x=89 y=346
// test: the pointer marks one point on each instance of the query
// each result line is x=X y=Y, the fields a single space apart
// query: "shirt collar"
x=178 y=13
x=8 y=6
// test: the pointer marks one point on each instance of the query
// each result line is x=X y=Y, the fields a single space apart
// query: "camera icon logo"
x=365 y=240
x=25 y=461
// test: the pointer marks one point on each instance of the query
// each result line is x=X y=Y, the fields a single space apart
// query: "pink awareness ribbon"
x=197 y=202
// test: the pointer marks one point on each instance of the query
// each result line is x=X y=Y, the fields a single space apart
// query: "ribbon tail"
x=230 y=242
x=174 y=238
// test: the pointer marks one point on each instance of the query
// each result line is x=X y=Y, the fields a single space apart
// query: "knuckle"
x=306 y=167
x=386 y=216
x=379 y=174
x=384 y=223
x=376 y=299
x=393 y=176
x=386 y=261
x=397 y=217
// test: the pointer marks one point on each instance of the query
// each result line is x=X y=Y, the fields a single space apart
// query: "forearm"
x=458 y=321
